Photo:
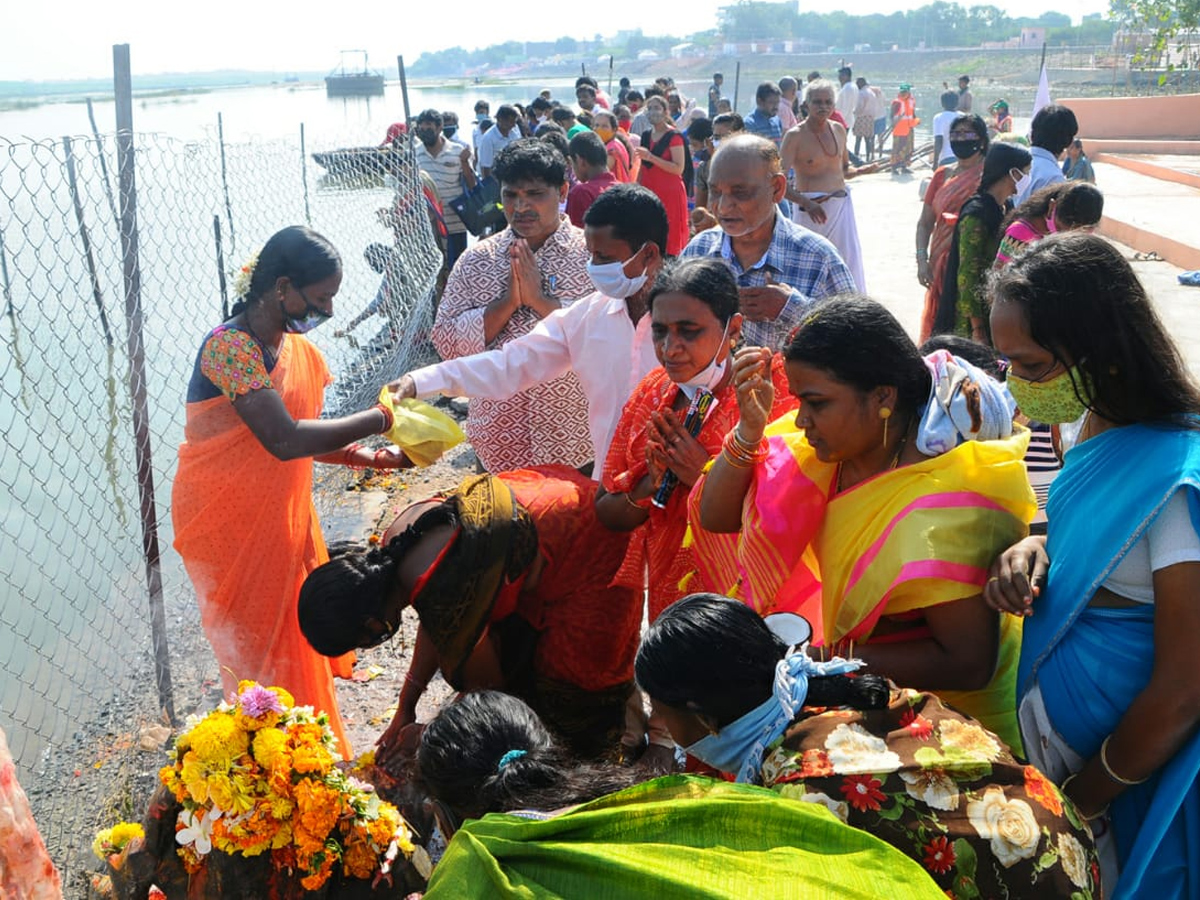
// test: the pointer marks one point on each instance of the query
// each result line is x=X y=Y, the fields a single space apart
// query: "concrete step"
x=1150 y=213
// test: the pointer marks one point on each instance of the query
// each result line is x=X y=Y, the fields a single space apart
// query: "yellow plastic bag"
x=423 y=432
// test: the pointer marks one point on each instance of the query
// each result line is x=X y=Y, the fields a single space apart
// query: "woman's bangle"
x=1096 y=815
x=350 y=455
x=643 y=505
x=389 y=419
x=1107 y=768
x=922 y=254
x=740 y=453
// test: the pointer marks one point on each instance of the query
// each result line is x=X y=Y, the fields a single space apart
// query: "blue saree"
x=1091 y=663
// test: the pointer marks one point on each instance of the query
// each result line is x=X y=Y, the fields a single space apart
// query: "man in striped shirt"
x=448 y=163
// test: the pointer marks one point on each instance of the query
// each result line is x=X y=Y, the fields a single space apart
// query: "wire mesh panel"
x=77 y=675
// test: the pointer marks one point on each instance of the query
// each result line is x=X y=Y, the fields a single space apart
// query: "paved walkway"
x=888 y=207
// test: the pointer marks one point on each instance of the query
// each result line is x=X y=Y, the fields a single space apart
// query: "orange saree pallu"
x=248 y=533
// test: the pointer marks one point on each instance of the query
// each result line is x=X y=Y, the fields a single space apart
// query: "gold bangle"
x=628 y=495
x=735 y=461
x=1107 y=768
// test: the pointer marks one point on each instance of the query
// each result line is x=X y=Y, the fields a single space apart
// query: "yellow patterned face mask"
x=1053 y=401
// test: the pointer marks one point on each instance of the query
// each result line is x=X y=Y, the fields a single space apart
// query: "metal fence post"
x=131 y=270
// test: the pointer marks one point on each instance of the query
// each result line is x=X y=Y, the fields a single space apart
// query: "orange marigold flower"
x=1041 y=789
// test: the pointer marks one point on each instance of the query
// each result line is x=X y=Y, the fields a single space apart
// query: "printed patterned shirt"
x=548 y=422
x=804 y=261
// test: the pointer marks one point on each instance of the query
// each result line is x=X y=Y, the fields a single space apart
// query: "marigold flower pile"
x=259 y=775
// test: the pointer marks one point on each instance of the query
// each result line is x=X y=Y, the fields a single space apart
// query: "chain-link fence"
x=77 y=661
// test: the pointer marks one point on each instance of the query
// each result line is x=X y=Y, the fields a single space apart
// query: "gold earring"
x=885 y=413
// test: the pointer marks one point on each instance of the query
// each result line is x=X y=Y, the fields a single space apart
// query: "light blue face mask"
x=740 y=745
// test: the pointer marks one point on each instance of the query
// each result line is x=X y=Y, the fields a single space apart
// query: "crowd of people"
x=918 y=619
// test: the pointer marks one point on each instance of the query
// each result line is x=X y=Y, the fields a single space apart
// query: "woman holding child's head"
x=1108 y=694
x=519 y=810
x=1064 y=206
x=909 y=462
x=739 y=699
x=242 y=497
x=672 y=426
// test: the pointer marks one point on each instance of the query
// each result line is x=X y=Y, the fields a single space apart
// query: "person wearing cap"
x=904 y=122
x=1002 y=122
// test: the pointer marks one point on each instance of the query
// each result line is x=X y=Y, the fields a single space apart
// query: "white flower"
x=933 y=787
x=197 y=830
x=854 y=751
x=1008 y=824
x=838 y=807
x=969 y=740
x=1074 y=859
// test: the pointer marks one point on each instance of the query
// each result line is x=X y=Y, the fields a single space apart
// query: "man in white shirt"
x=448 y=163
x=603 y=338
x=496 y=138
x=847 y=96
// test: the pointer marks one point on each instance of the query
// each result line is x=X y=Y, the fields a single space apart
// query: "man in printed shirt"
x=499 y=290
x=603 y=338
x=781 y=267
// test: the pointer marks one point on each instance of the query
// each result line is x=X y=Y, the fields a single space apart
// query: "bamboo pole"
x=112 y=204
x=737 y=81
x=224 y=180
x=304 y=177
x=85 y=239
x=135 y=343
x=221 y=282
x=404 y=91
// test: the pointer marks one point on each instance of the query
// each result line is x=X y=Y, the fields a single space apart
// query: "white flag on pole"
x=1043 y=92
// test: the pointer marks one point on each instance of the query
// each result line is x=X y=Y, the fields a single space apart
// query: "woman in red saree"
x=242 y=504
x=949 y=189
x=695 y=324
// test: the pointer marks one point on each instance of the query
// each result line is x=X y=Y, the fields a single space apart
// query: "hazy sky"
x=42 y=39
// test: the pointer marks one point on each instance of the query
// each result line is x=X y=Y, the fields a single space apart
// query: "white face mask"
x=1020 y=179
x=710 y=376
x=611 y=281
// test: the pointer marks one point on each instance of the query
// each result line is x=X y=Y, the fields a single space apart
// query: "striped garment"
x=907 y=539
x=446 y=171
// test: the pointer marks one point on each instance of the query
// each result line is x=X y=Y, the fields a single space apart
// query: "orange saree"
x=248 y=533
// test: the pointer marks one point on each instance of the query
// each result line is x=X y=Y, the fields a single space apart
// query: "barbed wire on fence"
x=76 y=661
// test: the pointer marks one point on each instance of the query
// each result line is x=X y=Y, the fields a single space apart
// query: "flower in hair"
x=243 y=276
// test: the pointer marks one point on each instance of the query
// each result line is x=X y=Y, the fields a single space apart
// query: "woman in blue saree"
x=1109 y=677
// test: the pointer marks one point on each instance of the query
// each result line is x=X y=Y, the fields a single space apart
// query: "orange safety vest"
x=907 y=120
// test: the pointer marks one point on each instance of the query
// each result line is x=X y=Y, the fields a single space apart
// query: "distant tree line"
x=938 y=24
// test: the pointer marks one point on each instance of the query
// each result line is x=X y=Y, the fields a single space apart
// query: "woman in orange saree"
x=242 y=504
x=876 y=510
x=949 y=189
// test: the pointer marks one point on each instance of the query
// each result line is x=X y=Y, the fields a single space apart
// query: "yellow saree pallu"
x=904 y=540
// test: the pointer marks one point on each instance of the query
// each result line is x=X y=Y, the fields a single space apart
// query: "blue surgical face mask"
x=303 y=324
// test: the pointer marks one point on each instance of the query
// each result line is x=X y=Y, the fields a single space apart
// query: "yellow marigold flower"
x=267 y=745
x=285 y=698
x=219 y=736
x=281 y=807
x=114 y=840
x=282 y=839
x=312 y=759
x=221 y=791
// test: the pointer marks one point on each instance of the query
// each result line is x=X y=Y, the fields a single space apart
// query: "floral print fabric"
x=233 y=362
x=939 y=787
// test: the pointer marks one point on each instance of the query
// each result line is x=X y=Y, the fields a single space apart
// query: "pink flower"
x=257 y=701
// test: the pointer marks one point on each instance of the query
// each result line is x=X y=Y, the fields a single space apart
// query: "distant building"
x=1032 y=37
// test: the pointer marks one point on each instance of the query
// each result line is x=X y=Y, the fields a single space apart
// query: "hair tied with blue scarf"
x=508 y=757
